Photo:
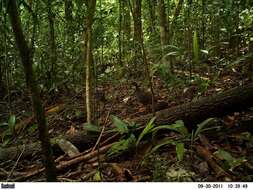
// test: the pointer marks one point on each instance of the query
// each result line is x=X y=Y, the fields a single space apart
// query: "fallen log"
x=192 y=113
x=81 y=140
x=217 y=105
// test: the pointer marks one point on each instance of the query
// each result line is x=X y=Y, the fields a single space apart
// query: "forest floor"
x=230 y=154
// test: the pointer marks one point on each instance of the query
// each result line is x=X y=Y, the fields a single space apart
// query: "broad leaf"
x=178 y=127
x=180 y=151
x=146 y=130
x=230 y=161
x=120 y=125
x=163 y=143
x=121 y=146
x=224 y=155
x=203 y=126
x=12 y=121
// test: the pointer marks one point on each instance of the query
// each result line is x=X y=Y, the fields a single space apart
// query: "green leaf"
x=6 y=136
x=121 y=146
x=97 y=176
x=196 y=47
x=91 y=128
x=146 y=130
x=203 y=126
x=224 y=155
x=166 y=141
x=32 y=129
x=178 y=126
x=180 y=151
x=120 y=125
x=6 y=141
x=231 y=161
x=12 y=122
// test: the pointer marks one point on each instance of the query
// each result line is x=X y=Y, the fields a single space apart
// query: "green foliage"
x=91 y=128
x=246 y=24
x=146 y=130
x=122 y=146
x=202 y=84
x=178 y=126
x=230 y=162
x=32 y=129
x=8 y=132
x=98 y=176
x=163 y=142
x=180 y=151
x=120 y=126
x=215 y=23
x=204 y=126
x=156 y=166
x=12 y=122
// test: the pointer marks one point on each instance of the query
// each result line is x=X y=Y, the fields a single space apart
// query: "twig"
x=66 y=164
x=16 y=163
x=109 y=139
x=103 y=129
x=87 y=176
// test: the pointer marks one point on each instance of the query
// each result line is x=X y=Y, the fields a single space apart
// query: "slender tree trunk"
x=51 y=42
x=164 y=31
x=126 y=28
x=26 y=59
x=175 y=16
x=152 y=13
x=138 y=38
x=141 y=52
x=91 y=6
x=2 y=85
x=203 y=23
x=120 y=29
x=127 y=20
x=68 y=6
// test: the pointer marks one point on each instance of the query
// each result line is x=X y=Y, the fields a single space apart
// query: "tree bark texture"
x=91 y=6
x=26 y=59
x=164 y=31
x=194 y=112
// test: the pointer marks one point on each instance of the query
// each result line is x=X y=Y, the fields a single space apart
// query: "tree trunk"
x=26 y=59
x=126 y=21
x=69 y=18
x=164 y=32
x=137 y=22
x=2 y=85
x=152 y=13
x=91 y=6
x=120 y=29
x=51 y=43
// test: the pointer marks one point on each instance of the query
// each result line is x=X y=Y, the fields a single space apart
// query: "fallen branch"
x=207 y=155
x=65 y=164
